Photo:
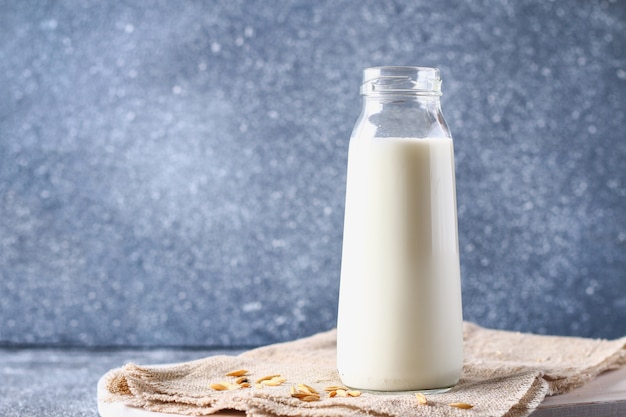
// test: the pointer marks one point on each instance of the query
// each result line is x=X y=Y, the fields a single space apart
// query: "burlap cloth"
x=504 y=374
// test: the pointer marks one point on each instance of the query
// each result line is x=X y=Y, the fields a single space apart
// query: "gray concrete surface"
x=43 y=382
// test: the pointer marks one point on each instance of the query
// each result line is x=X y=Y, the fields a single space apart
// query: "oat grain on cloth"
x=505 y=374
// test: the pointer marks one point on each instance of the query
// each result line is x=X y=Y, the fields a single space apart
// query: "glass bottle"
x=400 y=324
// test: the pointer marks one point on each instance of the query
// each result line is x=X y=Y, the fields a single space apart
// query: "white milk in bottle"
x=400 y=319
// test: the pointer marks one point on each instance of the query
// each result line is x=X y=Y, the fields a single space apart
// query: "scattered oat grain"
x=304 y=392
x=334 y=388
x=267 y=377
x=463 y=406
x=421 y=398
x=239 y=372
x=274 y=381
x=353 y=393
x=307 y=388
x=310 y=398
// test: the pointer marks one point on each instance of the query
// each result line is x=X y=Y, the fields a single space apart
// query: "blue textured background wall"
x=173 y=173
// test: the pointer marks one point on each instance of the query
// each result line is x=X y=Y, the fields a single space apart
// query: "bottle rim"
x=401 y=80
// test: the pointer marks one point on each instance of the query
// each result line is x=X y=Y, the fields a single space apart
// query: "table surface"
x=60 y=382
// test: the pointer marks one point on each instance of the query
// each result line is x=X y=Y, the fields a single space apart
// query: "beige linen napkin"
x=504 y=374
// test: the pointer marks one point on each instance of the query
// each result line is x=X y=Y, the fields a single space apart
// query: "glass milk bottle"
x=400 y=324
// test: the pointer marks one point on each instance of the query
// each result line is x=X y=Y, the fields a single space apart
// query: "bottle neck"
x=401 y=102
x=401 y=81
x=406 y=105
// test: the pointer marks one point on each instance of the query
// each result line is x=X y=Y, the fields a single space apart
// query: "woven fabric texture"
x=504 y=374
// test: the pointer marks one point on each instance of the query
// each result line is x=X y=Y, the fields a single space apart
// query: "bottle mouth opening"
x=401 y=80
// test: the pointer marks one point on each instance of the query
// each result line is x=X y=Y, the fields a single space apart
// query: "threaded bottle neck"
x=398 y=80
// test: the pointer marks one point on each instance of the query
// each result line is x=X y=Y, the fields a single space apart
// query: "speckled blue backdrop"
x=173 y=173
